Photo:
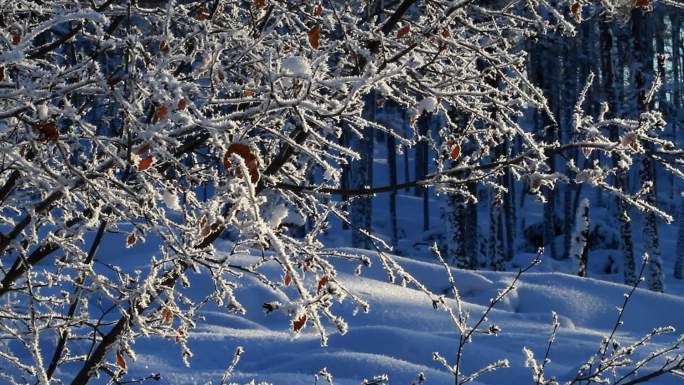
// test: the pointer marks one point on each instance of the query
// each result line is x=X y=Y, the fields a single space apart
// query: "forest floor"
x=402 y=330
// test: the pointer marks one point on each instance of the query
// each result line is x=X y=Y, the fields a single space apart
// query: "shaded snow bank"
x=402 y=330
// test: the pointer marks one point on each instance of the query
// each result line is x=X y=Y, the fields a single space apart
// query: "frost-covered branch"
x=171 y=124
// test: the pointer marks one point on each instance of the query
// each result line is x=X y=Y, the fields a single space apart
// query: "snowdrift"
x=402 y=330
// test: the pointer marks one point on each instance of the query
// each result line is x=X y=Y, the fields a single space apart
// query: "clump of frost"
x=42 y=112
x=279 y=213
x=171 y=201
x=428 y=104
x=295 y=66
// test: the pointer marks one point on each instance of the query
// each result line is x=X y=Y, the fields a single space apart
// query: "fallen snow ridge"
x=402 y=330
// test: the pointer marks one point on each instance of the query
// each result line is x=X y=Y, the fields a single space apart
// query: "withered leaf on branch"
x=146 y=161
x=182 y=104
x=299 y=323
x=576 y=10
x=167 y=315
x=404 y=31
x=315 y=36
x=202 y=13
x=164 y=47
x=130 y=241
x=48 y=130
x=322 y=282
x=120 y=362
x=318 y=10
x=455 y=151
x=245 y=153
x=161 y=113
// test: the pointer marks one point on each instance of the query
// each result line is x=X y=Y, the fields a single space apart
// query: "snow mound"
x=402 y=330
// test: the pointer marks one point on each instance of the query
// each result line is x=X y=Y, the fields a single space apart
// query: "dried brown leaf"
x=404 y=31
x=322 y=282
x=315 y=37
x=455 y=151
x=120 y=362
x=318 y=10
x=130 y=241
x=299 y=323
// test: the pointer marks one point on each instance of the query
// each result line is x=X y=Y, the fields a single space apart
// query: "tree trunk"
x=629 y=265
x=642 y=33
x=550 y=129
x=392 y=165
x=344 y=142
x=654 y=277
x=663 y=104
x=571 y=84
x=456 y=230
x=406 y=153
x=421 y=165
x=619 y=181
x=361 y=176
x=471 y=232
x=510 y=215
x=679 y=263
x=496 y=248
x=675 y=20
x=579 y=250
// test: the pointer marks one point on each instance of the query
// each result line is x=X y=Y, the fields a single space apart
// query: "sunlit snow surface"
x=402 y=330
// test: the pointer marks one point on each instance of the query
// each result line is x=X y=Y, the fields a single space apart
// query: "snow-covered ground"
x=402 y=330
